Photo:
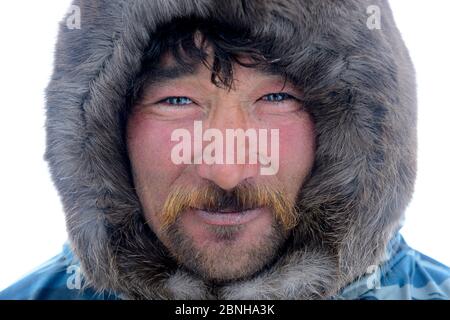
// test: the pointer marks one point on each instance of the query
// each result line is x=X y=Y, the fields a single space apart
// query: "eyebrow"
x=161 y=74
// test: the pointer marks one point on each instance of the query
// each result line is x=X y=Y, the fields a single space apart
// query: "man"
x=233 y=150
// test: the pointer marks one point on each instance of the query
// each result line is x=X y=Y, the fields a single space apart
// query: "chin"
x=221 y=253
x=222 y=273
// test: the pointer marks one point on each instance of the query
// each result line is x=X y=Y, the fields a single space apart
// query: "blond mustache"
x=182 y=198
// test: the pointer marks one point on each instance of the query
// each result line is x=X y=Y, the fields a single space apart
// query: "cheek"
x=149 y=149
x=297 y=149
x=149 y=144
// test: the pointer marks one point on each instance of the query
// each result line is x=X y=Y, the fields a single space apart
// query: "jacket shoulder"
x=57 y=279
x=406 y=274
x=415 y=276
x=410 y=275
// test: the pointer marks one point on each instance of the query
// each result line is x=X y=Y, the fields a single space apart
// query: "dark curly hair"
x=188 y=39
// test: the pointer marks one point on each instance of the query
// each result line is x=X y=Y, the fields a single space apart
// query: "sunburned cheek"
x=296 y=148
x=149 y=147
x=149 y=144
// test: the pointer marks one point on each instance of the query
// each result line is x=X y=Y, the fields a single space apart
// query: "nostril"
x=226 y=176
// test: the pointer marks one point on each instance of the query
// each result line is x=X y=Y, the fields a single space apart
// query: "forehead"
x=169 y=69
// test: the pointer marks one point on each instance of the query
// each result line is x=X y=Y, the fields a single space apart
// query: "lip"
x=228 y=218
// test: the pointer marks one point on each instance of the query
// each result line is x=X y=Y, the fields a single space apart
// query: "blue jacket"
x=407 y=274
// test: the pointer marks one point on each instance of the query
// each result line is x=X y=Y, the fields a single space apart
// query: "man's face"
x=219 y=237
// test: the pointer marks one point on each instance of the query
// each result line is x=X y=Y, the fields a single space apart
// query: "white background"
x=32 y=225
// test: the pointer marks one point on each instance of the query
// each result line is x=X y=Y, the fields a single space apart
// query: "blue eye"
x=177 y=101
x=277 y=97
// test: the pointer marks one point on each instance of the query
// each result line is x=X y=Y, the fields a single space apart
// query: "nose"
x=228 y=174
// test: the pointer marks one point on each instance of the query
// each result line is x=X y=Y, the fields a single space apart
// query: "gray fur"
x=360 y=89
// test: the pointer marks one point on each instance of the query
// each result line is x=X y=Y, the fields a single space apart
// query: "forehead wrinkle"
x=163 y=74
x=169 y=70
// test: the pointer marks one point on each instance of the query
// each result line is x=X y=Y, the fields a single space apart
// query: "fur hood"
x=359 y=88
